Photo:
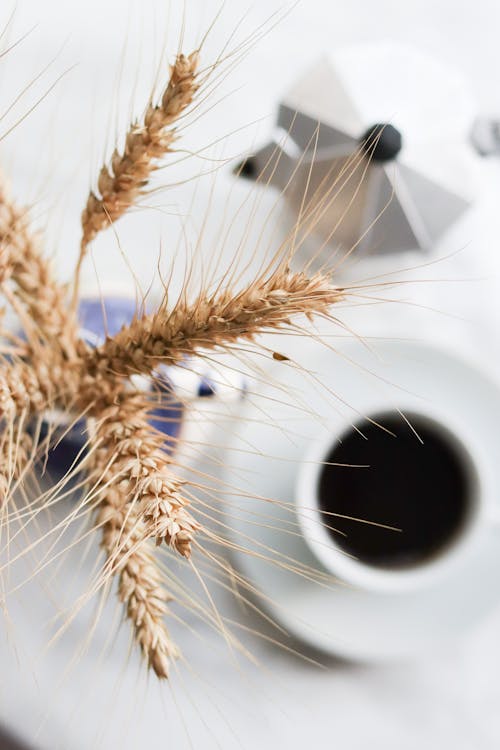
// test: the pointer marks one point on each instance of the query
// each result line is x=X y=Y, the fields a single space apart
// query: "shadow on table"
x=11 y=742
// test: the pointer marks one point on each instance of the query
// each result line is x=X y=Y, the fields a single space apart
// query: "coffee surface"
x=422 y=488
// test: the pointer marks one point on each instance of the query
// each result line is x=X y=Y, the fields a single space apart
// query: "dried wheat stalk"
x=214 y=321
x=15 y=453
x=139 y=458
x=140 y=500
x=139 y=584
x=23 y=262
x=5 y=266
x=26 y=389
x=121 y=182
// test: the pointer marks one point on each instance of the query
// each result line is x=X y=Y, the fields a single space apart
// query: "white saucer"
x=264 y=448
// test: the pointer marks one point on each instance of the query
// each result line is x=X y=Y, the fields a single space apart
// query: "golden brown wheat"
x=15 y=453
x=140 y=499
x=26 y=389
x=121 y=182
x=139 y=583
x=36 y=285
x=214 y=321
x=139 y=457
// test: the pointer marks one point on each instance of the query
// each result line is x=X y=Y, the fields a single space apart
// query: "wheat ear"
x=15 y=454
x=140 y=500
x=121 y=182
x=36 y=286
x=26 y=389
x=213 y=321
x=140 y=460
x=139 y=583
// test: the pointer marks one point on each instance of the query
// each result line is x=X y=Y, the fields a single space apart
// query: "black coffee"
x=422 y=488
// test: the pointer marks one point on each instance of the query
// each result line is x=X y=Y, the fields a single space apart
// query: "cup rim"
x=346 y=567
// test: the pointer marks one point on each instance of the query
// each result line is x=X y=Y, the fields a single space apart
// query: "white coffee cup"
x=481 y=510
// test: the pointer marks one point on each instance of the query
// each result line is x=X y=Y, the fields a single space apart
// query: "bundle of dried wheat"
x=138 y=500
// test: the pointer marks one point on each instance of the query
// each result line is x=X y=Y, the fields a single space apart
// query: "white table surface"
x=95 y=701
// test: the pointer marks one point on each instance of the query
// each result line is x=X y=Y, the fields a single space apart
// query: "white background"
x=52 y=156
